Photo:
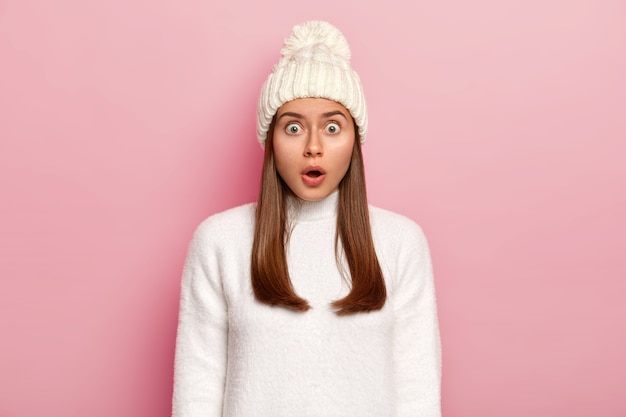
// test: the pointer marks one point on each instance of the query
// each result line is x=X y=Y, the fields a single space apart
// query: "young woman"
x=309 y=302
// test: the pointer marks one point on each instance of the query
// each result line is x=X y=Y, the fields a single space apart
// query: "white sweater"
x=236 y=357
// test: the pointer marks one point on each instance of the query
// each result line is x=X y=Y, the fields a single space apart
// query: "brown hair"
x=270 y=275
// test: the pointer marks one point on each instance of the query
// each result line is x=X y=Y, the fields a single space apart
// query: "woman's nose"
x=313 y=145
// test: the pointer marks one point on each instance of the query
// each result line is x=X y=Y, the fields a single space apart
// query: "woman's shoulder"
x=394 y=226
x=388 y=219
x=231 y=222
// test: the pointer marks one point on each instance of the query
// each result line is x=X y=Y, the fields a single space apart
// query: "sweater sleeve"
x=417 y=350
x=201 y=341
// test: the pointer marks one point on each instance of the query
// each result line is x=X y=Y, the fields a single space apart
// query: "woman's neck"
x=310 y=211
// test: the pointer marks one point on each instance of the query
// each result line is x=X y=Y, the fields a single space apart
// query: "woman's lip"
x=311 y=168
x=313 y=181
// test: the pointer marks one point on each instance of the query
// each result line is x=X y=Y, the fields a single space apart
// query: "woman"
x=308 y=302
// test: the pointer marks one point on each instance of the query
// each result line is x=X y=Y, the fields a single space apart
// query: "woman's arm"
x=417 y=349
x=201 y=342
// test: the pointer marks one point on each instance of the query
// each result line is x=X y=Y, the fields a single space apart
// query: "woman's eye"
x=332 y=128
x=292 y=128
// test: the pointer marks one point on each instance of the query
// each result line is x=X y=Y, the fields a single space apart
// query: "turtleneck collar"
x=310 y=211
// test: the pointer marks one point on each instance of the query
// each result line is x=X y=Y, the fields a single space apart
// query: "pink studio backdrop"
x=499 y=126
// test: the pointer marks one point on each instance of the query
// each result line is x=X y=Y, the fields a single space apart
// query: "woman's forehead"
x=312 y=106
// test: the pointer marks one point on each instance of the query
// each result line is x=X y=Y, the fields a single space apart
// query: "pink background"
x=499 y=126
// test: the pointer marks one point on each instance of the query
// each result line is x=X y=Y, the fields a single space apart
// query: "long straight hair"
x=270 y=275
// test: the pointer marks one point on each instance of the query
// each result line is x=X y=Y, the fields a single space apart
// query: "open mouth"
x=313 y=176
x=313 y=172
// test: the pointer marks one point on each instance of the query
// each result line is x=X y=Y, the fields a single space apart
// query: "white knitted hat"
x=315 y=63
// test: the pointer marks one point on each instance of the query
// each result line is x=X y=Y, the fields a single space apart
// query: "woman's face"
x=313 y=141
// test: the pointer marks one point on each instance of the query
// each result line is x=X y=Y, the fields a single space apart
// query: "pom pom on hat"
x=315 y=63
x=317 y=33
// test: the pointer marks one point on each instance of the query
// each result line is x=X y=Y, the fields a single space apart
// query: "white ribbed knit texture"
x=236 y=357
x=315 y=63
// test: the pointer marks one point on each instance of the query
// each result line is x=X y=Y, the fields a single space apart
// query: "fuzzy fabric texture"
x=315 y=63
x=236 y=357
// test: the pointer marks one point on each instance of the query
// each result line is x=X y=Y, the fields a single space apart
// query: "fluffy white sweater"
x=236 y=357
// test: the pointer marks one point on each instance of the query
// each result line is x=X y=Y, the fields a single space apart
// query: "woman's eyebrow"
x=334 y=113
x=292 y=114
x=324 y=115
